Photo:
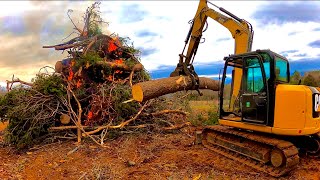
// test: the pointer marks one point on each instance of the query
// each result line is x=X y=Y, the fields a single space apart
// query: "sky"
x=158 y=29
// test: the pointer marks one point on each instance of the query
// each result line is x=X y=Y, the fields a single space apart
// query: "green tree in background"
x=295 y=78
x=309 y=80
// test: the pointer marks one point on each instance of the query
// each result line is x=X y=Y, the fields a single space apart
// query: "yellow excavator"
x=264 y=121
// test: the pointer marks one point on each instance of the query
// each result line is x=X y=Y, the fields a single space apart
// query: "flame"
x=112 y=46
x=79 y=83
x=70 y=74
x=117 y=71
x=119 y=61
x=90 y=115
x=110 y=78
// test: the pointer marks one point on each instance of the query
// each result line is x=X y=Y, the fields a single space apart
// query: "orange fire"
x=118 y=72
x=72 y=63
x=113 y=44
x=90 y=115
x=110 y=78
x=70 y=74
x=119 y=61
x=79 y=83
x=111 y=47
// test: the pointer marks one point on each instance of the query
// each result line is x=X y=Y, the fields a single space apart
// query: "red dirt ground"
x=134 y=156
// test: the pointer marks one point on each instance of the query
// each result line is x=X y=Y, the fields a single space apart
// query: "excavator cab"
x=261 y=70
x=264 y=121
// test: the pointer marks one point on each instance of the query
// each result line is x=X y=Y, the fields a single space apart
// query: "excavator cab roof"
x=258 y=51
x=271 y=60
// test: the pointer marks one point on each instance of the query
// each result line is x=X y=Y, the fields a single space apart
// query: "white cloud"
x=3 y=84
x=14 y=7
x=174 y=27
x=276 y=38
x=169 y=21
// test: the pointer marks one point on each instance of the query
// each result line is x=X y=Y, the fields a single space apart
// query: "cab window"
x=254 y=79
x=281 y=70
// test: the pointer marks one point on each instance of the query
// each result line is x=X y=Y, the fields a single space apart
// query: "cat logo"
x=316 y=102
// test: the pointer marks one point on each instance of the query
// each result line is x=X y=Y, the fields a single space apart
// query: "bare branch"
x=10 y=83
x=91 y=43
x=120 y=126
x=68 y=13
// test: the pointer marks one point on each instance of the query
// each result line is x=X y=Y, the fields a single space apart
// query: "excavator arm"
x=240 y=30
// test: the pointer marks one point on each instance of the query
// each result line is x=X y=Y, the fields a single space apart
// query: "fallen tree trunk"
x=114 y=65
x=151 y=89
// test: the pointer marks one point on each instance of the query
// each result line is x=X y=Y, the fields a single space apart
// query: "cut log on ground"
x=64 y=119
x=114 y=65
x=151 y=89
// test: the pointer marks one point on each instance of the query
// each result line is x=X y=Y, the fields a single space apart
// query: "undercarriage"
x=262 y=152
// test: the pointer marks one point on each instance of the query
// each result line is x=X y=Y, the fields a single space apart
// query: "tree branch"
x=120 y=125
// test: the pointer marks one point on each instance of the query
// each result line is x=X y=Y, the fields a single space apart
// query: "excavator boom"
x=241 y=31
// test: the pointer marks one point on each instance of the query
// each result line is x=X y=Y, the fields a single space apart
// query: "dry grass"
x=203 y=105
x=203 y=112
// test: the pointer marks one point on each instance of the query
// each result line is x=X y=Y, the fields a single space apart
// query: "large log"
x=151 y=89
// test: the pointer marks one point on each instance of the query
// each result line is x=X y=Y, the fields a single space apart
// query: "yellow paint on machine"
x=248 y=126
x=290 y=111
x=268 y=129
x=292 y=116
x=293 y=111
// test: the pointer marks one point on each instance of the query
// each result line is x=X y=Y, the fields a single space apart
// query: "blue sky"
x=158 y=29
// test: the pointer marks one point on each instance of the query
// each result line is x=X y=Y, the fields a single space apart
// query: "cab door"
x=254 y=97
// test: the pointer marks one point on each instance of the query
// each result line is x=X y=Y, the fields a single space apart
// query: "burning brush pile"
x=88 y=95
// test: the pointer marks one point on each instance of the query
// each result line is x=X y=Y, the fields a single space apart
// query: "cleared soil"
x=134 y=156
